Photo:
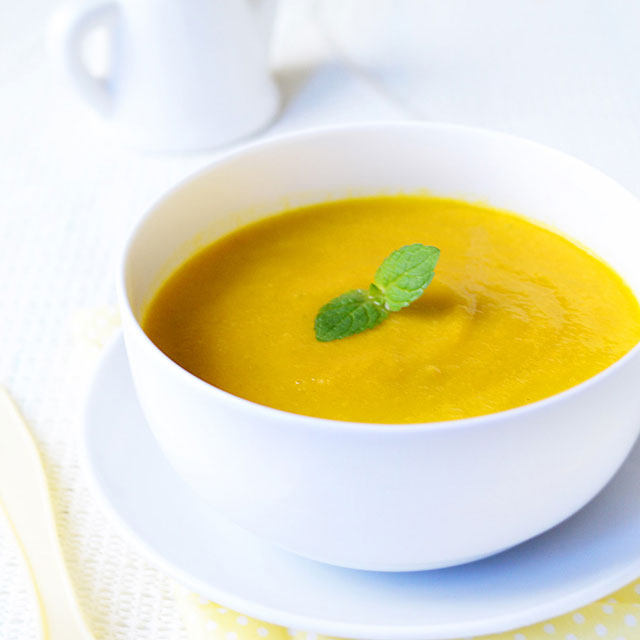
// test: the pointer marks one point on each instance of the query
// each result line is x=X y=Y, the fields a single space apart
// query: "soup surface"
x=514 y=314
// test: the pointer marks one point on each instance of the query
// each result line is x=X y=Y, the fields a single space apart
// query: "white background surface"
x=562 y=72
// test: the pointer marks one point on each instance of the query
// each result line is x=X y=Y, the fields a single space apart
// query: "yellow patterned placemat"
x=616 y=617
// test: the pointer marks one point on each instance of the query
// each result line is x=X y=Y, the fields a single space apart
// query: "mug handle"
x=68 y=30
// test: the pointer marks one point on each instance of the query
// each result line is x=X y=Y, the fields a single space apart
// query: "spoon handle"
x=25 y=496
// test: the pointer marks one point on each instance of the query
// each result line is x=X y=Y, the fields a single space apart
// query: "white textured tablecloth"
x=563 y=72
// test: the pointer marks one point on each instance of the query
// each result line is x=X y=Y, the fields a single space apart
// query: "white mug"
x=184 y=75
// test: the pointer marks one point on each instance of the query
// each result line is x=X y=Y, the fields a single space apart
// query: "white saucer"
x=588 y=556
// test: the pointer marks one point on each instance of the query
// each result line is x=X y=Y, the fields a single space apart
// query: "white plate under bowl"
x=591 y=554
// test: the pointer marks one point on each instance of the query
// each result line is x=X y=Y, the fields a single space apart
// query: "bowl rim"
x=247 y=149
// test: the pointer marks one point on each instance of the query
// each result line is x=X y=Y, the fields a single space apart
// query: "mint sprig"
x=349 y=313
x=400 y=279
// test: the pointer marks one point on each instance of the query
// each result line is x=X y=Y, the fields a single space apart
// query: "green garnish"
x=399 y=280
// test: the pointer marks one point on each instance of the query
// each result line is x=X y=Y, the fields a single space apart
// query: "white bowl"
x=372 y=496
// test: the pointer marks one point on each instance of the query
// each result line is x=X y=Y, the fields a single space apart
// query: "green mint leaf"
x=349 y=313
x=405 y=274
x=376 y=294
x=400 y=280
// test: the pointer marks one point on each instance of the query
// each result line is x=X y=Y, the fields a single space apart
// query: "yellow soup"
x=514 y=314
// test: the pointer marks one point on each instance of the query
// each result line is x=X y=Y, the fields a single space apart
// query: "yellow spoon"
x=25 y=496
